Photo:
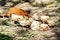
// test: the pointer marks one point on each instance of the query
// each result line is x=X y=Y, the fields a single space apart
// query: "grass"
x=4 y=30
x=58 y=3
x=22 y=38
x=46 y=36
x=26 y=34
x=5 y=37
x=5 y=22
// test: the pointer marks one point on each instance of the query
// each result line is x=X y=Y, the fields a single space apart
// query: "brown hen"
x=16 y=11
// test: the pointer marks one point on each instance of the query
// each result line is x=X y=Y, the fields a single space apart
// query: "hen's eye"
x=6 y=16
x=26 y=15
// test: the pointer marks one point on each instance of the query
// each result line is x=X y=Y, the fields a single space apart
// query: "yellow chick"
x=44 y=27
x=44 y=18
x=51 y=22
x=35 y=25
x=24 y=22
x=31 y=19
x=35 y=16
x=16 y=17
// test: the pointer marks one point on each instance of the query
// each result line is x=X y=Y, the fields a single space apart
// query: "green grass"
x=5 y=22
x=5 y=37
x=26 y=34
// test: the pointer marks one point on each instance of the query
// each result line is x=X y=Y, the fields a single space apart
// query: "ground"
x=11 y=31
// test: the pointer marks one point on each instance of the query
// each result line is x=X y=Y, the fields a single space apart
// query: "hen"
x=16 y=11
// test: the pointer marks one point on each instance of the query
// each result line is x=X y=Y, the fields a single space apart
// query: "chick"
x=31 y=19
x=44 y=27
x=24 y=22
x=35 y=16
x=35 y=25
x=44 y=18
x=51 y=22
x=16 y=17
